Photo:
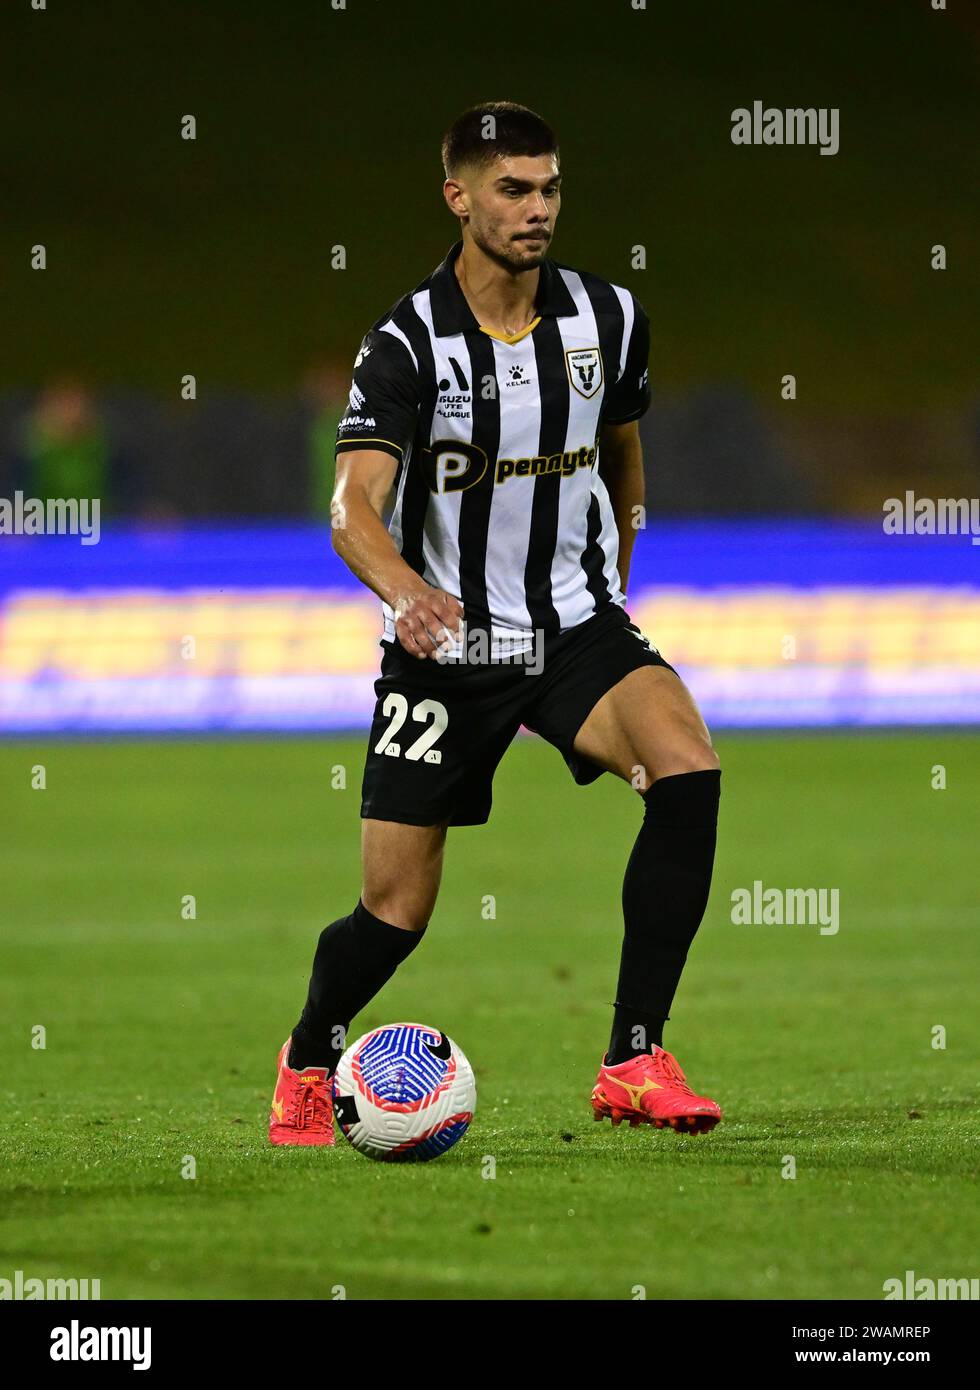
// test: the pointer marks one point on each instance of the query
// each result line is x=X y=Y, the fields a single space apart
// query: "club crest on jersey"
x=584 y=370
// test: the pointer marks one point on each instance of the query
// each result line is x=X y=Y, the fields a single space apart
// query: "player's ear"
x=454 y=193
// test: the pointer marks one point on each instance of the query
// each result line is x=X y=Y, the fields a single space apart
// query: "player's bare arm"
x=423 y=614
x=621 y=469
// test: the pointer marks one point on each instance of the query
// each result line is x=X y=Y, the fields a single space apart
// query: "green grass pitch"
x=162 y=1033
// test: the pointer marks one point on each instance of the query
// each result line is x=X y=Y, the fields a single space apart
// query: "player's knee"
x=410 y=911
x=704 y=758
x=689 y=755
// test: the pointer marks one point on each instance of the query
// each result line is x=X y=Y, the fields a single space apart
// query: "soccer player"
x=494 y=410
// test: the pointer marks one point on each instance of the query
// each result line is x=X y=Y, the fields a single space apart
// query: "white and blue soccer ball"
x=403 y=1093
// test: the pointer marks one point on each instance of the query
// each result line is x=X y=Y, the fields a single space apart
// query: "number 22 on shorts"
x=396 y=706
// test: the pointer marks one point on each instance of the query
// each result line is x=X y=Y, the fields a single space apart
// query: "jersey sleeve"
x=629 y=397
x=382 y=410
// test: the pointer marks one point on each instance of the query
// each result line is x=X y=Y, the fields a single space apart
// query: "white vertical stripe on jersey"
x=509 y=533
x=395 y=521
x=626 y=304
x=440 y=538
x=571 y=598
x=608 y=536
x=395 y=524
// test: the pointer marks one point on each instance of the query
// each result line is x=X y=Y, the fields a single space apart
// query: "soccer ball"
x=404 y=1093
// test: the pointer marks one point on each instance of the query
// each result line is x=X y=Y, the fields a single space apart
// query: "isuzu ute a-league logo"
x=454 y=405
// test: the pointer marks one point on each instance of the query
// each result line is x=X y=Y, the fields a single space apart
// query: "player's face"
x=513 y=205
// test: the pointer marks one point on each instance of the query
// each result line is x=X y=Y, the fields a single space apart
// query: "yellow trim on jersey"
x=511 y=337
x=373 y=439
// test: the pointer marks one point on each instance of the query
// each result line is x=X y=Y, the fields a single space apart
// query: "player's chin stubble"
x=532 y=253
x=518 y=252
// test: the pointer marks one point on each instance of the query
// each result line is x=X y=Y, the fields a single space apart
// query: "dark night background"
x=318 y=127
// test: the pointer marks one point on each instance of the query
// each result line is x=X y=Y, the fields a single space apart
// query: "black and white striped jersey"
x=498 y=497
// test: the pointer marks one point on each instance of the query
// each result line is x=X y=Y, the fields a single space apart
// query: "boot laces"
x=670 y=1068
x=309 y=1095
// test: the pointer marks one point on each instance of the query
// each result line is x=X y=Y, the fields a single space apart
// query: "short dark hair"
x=519 y=131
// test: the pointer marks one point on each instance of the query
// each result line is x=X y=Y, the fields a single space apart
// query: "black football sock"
x=633 y=1032
x=354 y=958
x=665 y=893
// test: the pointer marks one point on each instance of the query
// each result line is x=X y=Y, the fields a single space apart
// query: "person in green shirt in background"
x=65 y=450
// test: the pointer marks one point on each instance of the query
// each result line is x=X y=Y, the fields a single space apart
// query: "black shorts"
x=440 y=729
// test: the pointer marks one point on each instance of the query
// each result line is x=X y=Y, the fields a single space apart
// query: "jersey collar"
x=451 y=314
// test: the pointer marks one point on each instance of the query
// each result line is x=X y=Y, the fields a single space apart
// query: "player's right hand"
x=426 y=620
